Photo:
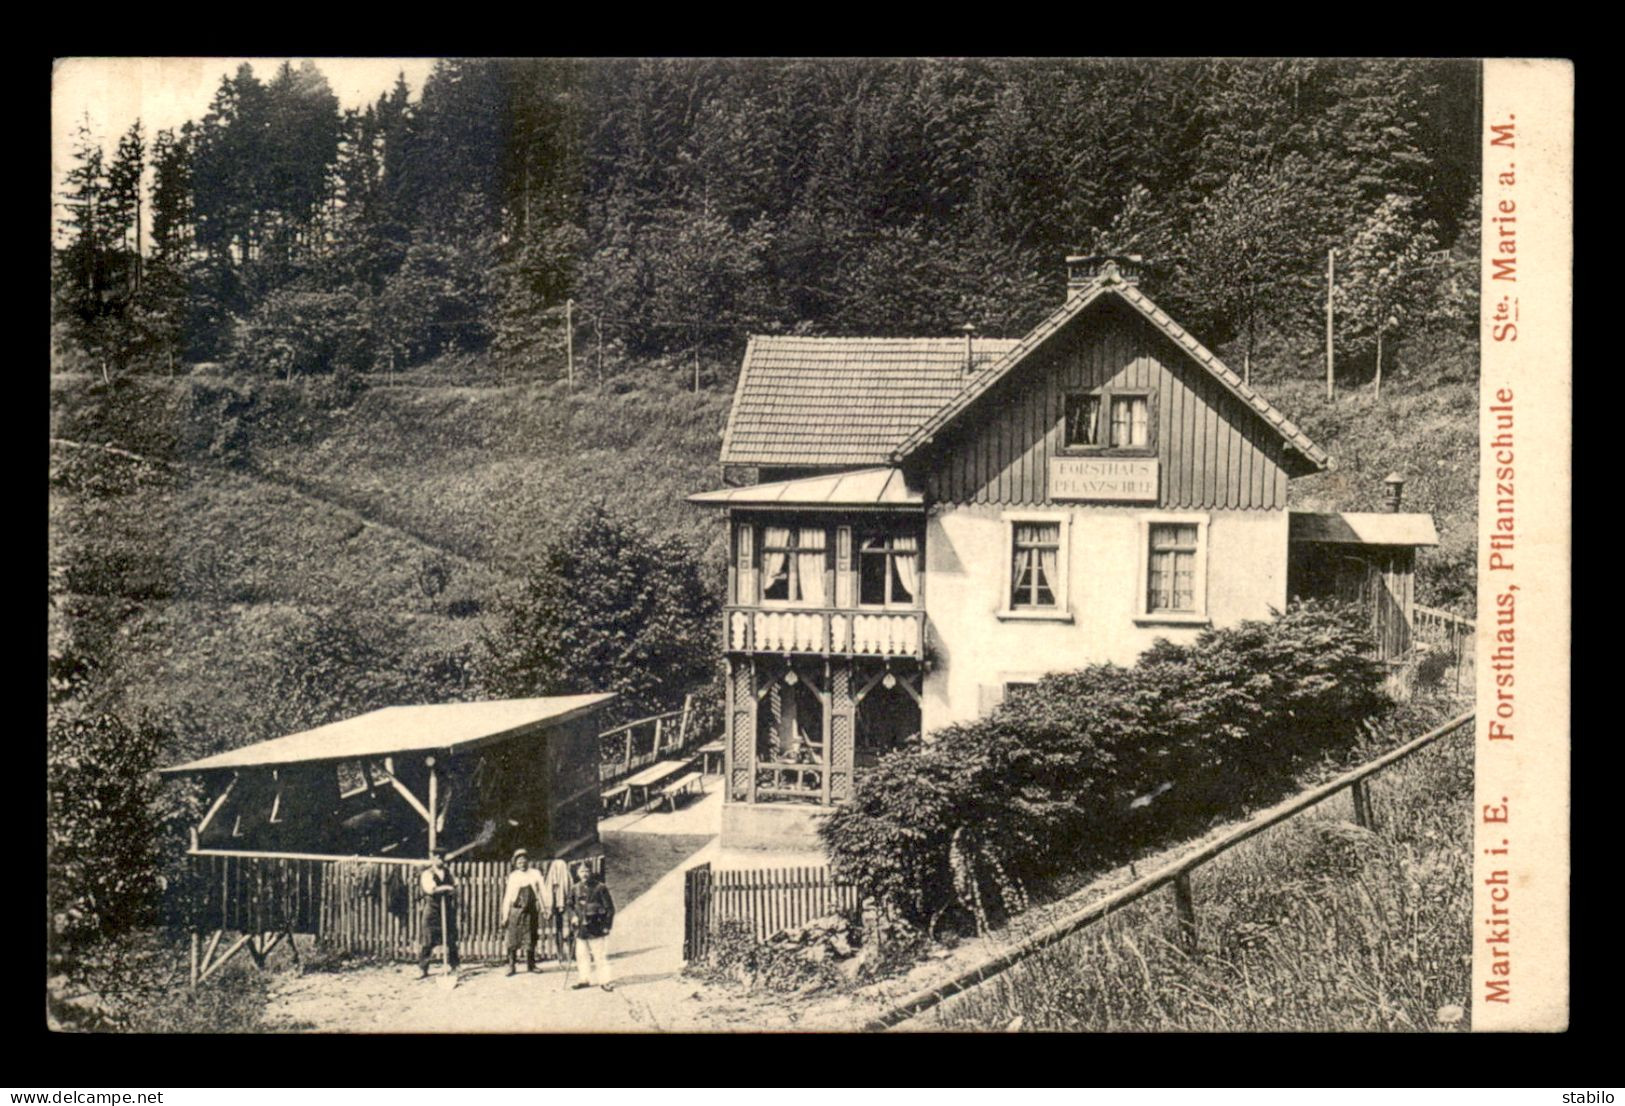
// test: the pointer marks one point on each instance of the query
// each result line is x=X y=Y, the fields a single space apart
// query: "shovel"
x=448 y=981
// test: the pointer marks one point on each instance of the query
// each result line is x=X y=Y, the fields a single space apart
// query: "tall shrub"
x=609 y=607
x=1051 y=779
x=107 y=818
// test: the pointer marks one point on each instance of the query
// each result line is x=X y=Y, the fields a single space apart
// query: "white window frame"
x=1062 y=611
x=760 y=541
x=856 y=553
x=1143 y=615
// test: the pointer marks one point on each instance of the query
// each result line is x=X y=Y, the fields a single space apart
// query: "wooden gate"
x=697 y=912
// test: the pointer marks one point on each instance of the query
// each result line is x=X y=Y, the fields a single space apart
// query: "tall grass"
x=1313 y=925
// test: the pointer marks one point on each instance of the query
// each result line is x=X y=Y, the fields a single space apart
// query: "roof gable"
x=842 y=402
x=992 y=373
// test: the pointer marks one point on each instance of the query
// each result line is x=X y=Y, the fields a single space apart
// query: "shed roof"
x=842 y=401
x=1362 y=528
x=451 y=727
x=995 y=371
x=877 y=487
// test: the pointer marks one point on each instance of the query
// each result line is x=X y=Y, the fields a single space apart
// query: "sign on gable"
x=1103 y=478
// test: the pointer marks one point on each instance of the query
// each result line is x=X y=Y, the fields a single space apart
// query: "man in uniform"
x=592 y=915
x=439 y=901
x=521 y=907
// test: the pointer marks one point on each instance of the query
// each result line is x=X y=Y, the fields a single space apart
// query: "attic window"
x=1108 y=418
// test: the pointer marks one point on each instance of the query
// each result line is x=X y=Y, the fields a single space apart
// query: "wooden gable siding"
x=1215 y=452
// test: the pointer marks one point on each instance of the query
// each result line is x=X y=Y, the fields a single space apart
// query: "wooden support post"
x=626 y=761
x=214 y=807
x=1360 y=791
x=569 y=344
x=754 y=722
x=411 y=799
x=434 y=802
x=827 y=701
x=1185 y=907
x=196 y=958
x=656 y=749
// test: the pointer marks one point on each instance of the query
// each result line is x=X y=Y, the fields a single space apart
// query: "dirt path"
x=645 y=955
x=364 y=515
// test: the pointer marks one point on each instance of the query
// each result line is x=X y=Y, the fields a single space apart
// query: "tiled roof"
x=992 y=373
x=392 y=730
x=863 y=488
x=842 y=401
x=1363 y=528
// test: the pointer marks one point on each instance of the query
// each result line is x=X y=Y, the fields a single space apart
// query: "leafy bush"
x=1093 y=764
x=608 y=608
x=107 y=821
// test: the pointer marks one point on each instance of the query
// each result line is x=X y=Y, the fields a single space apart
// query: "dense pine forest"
x=678 y=206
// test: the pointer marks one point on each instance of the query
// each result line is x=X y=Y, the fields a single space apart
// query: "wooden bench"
x=669 y=793
x=614 y=797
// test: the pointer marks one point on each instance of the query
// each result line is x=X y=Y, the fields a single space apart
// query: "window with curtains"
x=1035 y=573
x=1171 y=568
x=1108 y=418
x=888 y=570
x=793 y=565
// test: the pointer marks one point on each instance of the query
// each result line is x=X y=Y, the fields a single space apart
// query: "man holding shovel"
x=439 y=912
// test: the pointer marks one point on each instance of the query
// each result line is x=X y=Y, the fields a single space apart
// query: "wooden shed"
x=1367 y=558
x=313 y=832
x=504 y=773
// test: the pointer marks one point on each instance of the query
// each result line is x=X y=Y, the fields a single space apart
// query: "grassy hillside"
x=258 y=524
x=1315 y=925
x=272 y=519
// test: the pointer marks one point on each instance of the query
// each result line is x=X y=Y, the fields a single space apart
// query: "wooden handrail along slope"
x=1177 y=873
x=611 y=773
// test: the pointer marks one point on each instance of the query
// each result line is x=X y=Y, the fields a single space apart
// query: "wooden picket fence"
x=358 y=905
x=1454 y=635
x=767 y=900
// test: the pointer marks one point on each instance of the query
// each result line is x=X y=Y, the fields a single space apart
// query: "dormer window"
x=1108 y=418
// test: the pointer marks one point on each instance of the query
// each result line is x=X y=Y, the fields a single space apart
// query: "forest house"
x=921 y=526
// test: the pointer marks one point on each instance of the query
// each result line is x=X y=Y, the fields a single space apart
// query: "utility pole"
x=1330 y=279
x=569 y=338
x=1380 y=328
